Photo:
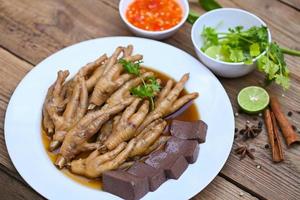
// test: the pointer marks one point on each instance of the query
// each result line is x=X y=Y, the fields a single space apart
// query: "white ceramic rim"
x=155 y=33
x=53 y=184
x=234 y=10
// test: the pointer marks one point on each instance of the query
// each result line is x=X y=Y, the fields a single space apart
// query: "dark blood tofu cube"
x=125 y=185
x=173 y=164
x=156 y=177
x=176 y=169
x=188 y=148
x=192 y=152
x=195 y=130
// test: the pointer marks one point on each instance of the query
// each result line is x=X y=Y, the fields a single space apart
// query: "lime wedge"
x=216 y=52
x=253 y=99
x=212 y=51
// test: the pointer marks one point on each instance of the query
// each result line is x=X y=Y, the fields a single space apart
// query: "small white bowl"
x=222 y=19
x=159 y=35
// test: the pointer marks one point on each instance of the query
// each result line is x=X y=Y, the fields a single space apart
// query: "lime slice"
x=212 y=51
x=253 y=99
x=216 y=52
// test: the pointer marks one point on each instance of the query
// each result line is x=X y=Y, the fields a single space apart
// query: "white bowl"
x=222 y=19
x=159 y=35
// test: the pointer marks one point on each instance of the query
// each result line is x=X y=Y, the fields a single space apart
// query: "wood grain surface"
x=31 y=30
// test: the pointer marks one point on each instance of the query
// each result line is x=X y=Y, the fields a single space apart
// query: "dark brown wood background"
x=31 y=30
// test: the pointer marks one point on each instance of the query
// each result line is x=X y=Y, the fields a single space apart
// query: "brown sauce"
x=187 y=113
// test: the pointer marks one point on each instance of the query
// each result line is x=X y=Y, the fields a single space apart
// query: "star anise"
x=250 y=131
x=243 y=151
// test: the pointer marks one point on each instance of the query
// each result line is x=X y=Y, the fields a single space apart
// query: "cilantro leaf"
x=131 y=67
x=254 y=49
x=148 y=89
x=237 y=45
x=236 y=55
x=282 y=80
x=210 y=37
x=274 y=66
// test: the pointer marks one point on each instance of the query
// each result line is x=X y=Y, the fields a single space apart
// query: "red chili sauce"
x=154 y=15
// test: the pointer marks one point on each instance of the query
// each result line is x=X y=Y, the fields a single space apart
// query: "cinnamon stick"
x=289 y=134
x=272 y=129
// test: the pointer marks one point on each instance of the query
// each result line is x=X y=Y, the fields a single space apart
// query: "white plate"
x=23 y=119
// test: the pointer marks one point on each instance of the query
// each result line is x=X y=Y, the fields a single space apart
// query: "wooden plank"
x=12 y=189
x=222 y=190
x=12 y=70
x=294 y=3
x=36 y=29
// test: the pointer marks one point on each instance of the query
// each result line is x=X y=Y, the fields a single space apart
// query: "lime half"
x=253 y=99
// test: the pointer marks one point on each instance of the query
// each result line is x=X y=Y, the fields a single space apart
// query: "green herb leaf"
x=282 y=80
x=237 y=45
x=236 y=55
x=147 y=89
x=254 y=49
x=209 y=4
x=131 y=67
x=274 y=66
x=155 y=86
x=210 y=37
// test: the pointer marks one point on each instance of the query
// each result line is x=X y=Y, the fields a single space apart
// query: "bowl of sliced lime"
x=229 y=41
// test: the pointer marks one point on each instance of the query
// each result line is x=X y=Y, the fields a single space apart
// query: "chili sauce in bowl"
x=154 y=15
x=156 y=19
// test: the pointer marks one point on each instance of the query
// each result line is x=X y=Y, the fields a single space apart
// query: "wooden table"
x=31 y=30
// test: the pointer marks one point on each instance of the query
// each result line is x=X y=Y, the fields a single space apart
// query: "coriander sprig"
x=149 y=86
x=238 y=45
x=274 y=66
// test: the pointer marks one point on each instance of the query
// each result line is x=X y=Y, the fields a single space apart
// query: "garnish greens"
x=238 y=45
x=131 y=67
x=149 y=87
x=273 y=65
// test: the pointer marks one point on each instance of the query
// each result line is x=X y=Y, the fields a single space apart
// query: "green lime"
x=253 y=99
x=212 y=51
x=216 y=52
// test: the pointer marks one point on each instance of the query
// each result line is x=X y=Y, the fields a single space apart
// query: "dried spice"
x=250 y=131
x=267 y=146
x=260 y=124
x=243 y=151
x=294 y=127
x=290 y=113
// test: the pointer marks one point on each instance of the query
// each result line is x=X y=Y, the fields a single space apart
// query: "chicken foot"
x=85 y=129
x=168 y=101
x=128 y=124
x=110 y=82
x=75 y=110
x=148 y=138
x=96 y=164
x=55 y=99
